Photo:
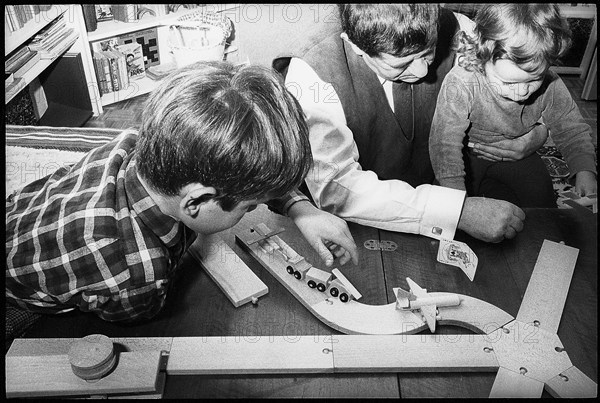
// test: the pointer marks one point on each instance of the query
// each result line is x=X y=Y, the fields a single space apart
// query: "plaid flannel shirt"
x=90 y=237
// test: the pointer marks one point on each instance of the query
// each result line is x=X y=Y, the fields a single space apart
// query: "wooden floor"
x=128 y=113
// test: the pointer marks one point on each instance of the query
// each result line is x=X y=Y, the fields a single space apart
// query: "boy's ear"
x=355 y=48
x=193 y=196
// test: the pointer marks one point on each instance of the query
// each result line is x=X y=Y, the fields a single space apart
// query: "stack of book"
x=111 y=71
x=53 y=40
x=115 y=65
x=15 y=17
x=21 y=61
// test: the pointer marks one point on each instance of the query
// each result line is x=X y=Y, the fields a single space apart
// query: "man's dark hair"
x=396 y=29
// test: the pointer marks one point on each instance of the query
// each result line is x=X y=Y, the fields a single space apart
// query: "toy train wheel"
x=297 y=274
x=344 y=297
x=290 y=269
x=334 y=292
x=321 y=287
x=312 y=284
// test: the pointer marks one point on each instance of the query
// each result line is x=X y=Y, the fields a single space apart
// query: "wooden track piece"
x=224 y=266
x=58 y=346
x=509 y=384
x=415 y=353
x=250 y=355
x=548 y=286
x=572 y=383
x=356 y=318
x=51 y=375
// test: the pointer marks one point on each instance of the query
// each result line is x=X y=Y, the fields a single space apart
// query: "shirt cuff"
x=283 y=204
x=442 y=212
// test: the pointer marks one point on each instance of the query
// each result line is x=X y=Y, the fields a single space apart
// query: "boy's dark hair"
x=397 y=29
x=235 y=128
x=533 y=36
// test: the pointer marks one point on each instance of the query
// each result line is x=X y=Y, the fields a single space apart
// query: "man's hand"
x=491 y=220
x=327 y=234
x=512 y=149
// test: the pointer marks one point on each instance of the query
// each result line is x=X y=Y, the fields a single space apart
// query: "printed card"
x=458 y=254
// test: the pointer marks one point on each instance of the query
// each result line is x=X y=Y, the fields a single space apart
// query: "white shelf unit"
x=13 y=40
x=16 y=39
x=110 y=29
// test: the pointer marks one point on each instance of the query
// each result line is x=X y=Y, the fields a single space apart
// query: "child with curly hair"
x=501 y=88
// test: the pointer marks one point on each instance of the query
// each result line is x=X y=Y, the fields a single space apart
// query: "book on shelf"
x=18 y=57
x=102 y=67
x=54 y=39
x=49 y=33
x=109 y=48
x=134 y=59
x=148 y=38
x=89 y=17
x=125 y=12
x=19 y=15
x=114 y=69
x=59 y=46
x=25 y=67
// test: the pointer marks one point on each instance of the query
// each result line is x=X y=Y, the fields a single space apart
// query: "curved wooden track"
x=354 y=317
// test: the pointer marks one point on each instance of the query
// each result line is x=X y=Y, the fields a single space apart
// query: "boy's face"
x=510 y=81
x=211 y=218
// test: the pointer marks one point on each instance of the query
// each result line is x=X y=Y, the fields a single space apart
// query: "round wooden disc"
x=92 y=356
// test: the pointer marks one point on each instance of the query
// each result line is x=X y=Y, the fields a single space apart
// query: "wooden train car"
x=336 y=284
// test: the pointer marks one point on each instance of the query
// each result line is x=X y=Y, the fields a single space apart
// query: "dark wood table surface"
x=197 y=307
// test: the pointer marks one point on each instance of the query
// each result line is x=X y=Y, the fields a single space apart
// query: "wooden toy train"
x=334 y=283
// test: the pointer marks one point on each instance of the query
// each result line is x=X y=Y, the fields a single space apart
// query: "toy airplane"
x=418 y=299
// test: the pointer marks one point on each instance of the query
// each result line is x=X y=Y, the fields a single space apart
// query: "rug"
x=33 y=152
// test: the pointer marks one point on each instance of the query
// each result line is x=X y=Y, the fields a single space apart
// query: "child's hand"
x=586 y=183
x=327 y=234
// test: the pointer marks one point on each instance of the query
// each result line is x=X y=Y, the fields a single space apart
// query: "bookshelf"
x=23 y=23
x=15 y=40
x=106 y=30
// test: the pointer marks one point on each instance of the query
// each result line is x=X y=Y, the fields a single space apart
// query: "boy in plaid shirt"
x=106 y=235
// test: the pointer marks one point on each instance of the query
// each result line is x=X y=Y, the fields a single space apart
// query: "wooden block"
x=509 y=384
x=51 y=375
x=250 y=355
x=548 y=286
x=92 y=356
x=225 y=267
x=572 y=383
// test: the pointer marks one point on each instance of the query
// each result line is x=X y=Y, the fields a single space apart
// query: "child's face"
x=512 y=82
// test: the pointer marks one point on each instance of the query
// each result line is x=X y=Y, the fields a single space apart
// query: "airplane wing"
x=428 y=311
x=415 y=289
